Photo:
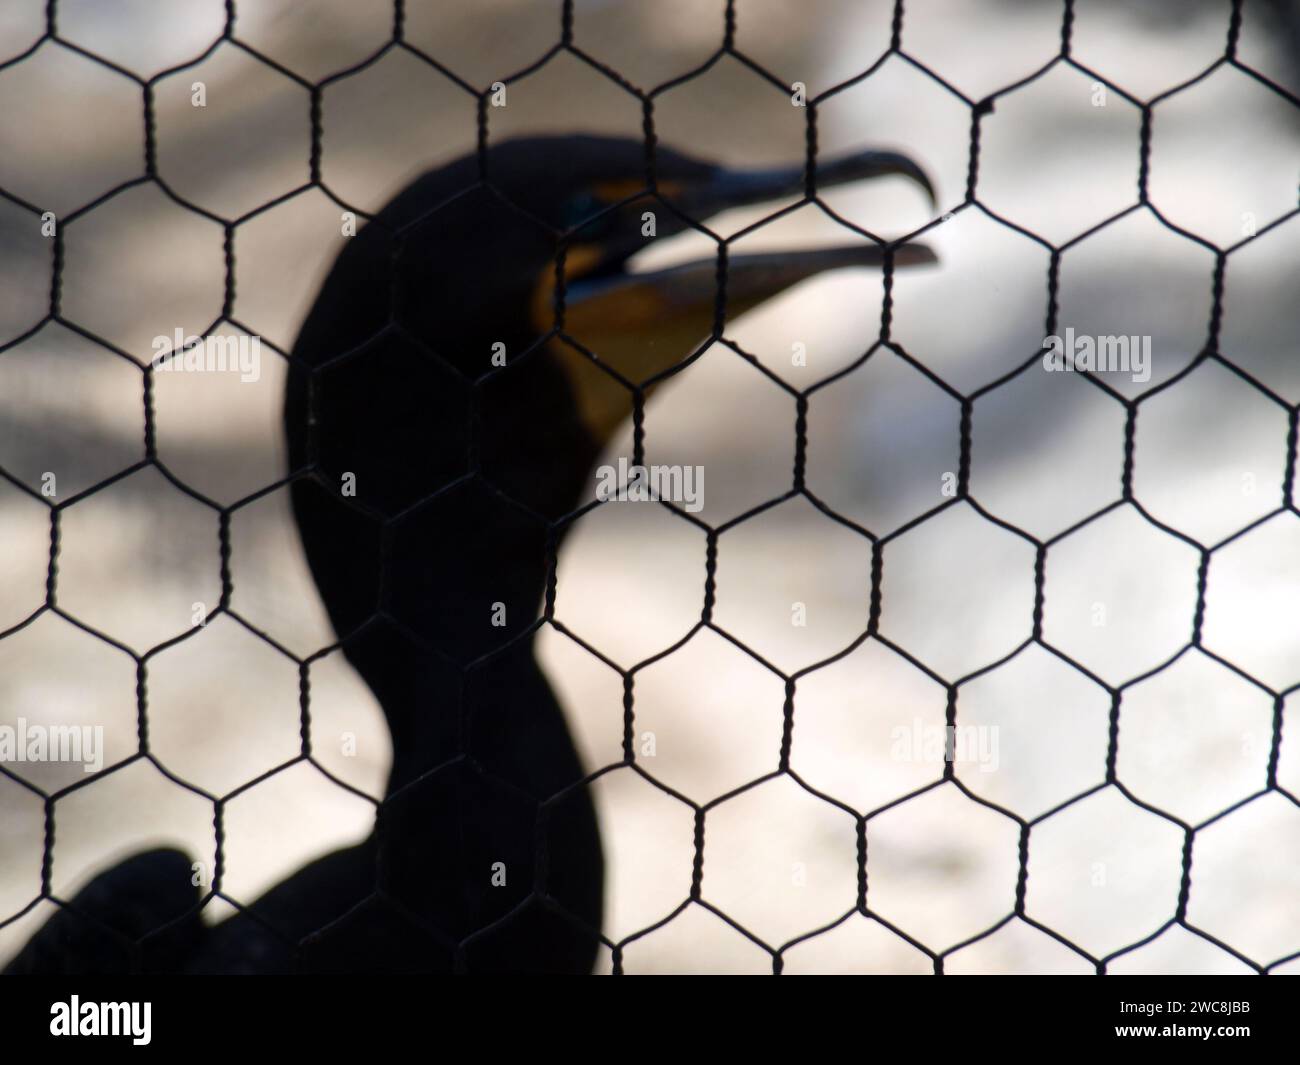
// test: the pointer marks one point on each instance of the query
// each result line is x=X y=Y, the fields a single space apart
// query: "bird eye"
x=580 y=209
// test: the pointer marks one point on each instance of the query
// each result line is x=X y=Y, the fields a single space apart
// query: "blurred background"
x=1211 y=458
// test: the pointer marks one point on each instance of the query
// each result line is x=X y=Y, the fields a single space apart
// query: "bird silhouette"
x=471 y=351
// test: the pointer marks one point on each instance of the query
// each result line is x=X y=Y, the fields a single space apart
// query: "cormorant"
x=441 y=425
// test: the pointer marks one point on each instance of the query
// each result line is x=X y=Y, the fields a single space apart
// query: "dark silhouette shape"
x=464 y=470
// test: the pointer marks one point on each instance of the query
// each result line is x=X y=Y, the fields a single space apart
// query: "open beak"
x=630 y=300
x=642 y=324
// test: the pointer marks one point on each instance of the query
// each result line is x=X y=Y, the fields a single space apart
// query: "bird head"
x=627 y=327
x=499 y=299
x=544 y=250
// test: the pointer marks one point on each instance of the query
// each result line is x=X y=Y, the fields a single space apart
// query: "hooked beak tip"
x=738 y=188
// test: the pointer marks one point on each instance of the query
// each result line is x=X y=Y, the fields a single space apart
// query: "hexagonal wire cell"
x=962 y=664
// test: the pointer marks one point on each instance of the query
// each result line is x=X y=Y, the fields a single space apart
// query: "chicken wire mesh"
x=875 y=542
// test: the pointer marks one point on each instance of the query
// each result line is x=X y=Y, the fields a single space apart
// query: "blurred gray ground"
x=1211 y=454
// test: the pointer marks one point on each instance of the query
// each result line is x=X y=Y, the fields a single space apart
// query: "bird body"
x=465 y=469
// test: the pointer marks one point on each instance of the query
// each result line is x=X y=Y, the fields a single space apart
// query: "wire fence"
x=876 y=543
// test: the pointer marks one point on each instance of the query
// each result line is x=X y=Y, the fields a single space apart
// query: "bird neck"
x=451 y=662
